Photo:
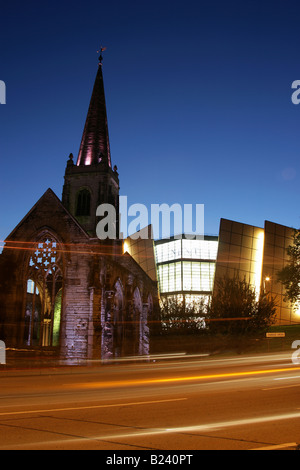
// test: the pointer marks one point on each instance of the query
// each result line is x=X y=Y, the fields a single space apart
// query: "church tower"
x=91 y=181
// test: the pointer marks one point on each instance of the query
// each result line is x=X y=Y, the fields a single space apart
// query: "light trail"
x=201 y=428
x=288 y=378
x=279 y=446
x=125 y=383
x=91 y=407
x=78 y=248
x=210 y=427
x=281 y=388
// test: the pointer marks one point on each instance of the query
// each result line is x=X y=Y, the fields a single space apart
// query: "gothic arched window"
x=44 y=289
x=83 y=204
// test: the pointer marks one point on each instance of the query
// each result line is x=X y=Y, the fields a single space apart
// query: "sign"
x=2 y=353
x=275 y=335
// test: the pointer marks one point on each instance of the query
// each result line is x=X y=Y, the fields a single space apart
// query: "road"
x=179 y=403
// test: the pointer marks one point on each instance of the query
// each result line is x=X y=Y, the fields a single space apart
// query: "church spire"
x=92 y=181
x=94 y=147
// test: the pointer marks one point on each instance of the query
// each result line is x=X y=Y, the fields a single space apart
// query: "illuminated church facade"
x=64 y=290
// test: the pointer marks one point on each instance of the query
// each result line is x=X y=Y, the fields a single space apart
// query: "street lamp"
x=266 y=279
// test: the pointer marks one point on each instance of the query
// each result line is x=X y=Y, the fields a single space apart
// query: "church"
x=62 y=289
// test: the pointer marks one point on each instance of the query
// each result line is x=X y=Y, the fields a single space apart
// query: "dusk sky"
x=198 y=98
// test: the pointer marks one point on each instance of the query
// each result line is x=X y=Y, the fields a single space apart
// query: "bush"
x=234 y=309
x=177 y=317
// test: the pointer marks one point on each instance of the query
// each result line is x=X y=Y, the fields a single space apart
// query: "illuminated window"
x=168 y=251
x=186 y=265
x=198 y=276
x=31 y=287
x=199 y=249
x=43 y=294
x=169 y=276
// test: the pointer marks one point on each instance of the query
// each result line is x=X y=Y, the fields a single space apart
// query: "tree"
x=289 y=276
x=235 y=309
x=179 y=317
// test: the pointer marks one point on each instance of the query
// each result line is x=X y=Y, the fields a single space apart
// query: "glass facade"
x=187 y=270
x=186 y=266
x=169 y=276
x=256 y=254
x=277 y=239
x=241 y=250
x=190 y=249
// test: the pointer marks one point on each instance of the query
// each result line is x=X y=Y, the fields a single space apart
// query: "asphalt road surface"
x=177 y=403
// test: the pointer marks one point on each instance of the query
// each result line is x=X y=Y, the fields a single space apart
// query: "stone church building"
x=63 y=290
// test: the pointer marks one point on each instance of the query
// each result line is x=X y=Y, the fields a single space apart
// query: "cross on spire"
x=102 y=49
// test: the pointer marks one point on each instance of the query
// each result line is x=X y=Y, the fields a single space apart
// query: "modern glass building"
x=186 y=268
x=189 y=269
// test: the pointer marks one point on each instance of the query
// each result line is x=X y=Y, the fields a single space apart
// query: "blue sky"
x=198 y=98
